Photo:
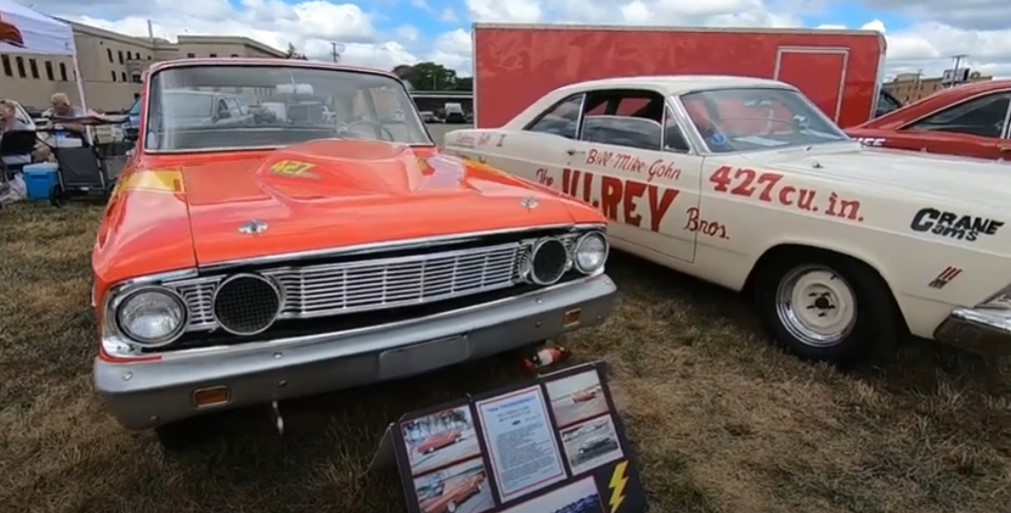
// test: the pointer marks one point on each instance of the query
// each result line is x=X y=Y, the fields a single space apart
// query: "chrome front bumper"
x=148 y=394
x=980 y=330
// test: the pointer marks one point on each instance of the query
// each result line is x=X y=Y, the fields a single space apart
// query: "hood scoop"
x=340 y=167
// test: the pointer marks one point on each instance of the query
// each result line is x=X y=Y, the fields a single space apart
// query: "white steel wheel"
x=824 y=306
x=816 y=305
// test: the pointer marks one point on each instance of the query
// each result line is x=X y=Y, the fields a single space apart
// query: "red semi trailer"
x=514 y=65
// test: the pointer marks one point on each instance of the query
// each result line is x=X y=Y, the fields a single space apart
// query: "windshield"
x=214 y=108
x=732 y=120
x=135 y=108
x=187 y=104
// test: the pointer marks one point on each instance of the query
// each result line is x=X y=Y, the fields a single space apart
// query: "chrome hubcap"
x=816 y=305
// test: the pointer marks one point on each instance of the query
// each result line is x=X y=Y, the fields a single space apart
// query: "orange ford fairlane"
x=289 y=227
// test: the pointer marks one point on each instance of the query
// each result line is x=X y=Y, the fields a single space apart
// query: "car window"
x=886 y=103
x=674 y=138
x=984 y=117
x=561 y=118
x=629 y=118
x=758 y=118
x=223 y=109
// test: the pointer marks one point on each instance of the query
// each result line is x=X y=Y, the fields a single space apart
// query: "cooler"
x=40 y=179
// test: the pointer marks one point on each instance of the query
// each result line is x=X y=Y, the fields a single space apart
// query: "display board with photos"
x=553 y=445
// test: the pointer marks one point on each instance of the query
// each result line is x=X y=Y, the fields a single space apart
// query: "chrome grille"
x=329 y=289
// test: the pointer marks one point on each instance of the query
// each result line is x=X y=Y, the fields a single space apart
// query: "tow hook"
x=275 y=415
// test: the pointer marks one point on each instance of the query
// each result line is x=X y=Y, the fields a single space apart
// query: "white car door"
x=631 y=161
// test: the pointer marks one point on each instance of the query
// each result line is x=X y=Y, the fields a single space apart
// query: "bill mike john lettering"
x=953 y=225
x=626 y=201
x=652 y=170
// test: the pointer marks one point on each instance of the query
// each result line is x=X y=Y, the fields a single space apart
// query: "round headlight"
x=152 y=316
x=591 y=252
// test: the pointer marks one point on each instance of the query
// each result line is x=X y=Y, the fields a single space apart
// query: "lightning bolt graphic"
x=617 y=484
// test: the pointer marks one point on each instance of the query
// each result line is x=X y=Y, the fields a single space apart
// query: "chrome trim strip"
x=375 y=247
x=321 y=337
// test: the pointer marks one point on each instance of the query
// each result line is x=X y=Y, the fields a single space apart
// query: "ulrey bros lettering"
x=952 y=225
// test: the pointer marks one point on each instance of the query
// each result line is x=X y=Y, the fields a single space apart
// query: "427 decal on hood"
x=952 y=225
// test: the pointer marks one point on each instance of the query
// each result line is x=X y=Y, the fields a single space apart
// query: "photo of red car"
x=584 y=395
x=459 y=488
x=450 y=498
x=576 y=397
x=440 y=440
x=10 y=34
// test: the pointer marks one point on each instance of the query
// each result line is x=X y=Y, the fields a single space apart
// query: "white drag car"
x=745 y=183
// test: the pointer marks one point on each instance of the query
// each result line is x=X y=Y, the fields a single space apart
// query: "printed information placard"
x=554 y=445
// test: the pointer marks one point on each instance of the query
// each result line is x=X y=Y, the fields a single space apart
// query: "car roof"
x=677 y=84
x=259 y=61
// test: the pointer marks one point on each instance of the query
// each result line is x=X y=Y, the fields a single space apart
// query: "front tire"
x=825 y=307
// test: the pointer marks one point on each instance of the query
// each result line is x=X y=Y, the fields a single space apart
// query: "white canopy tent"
x=23 y=30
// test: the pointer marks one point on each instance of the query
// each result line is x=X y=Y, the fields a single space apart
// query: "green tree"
x=292 y=53
x=429 y=76
x=464 y=84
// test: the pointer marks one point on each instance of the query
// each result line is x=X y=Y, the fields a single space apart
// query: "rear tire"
x=825 y=307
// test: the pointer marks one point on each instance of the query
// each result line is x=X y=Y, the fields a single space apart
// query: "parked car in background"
x=886 y=103
x=131 y=128
x=745 y=183
x=454 y=113
x=189 y=107
x=971 y=120
x=247 y=264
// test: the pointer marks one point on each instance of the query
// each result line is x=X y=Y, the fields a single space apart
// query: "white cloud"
x=408 y=33
x=876 y=25
x=455 y=50
x=421 y=4
x=525 y=11
x=448 y=15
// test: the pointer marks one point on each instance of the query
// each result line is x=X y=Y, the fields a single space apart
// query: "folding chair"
x=81 y=173
x=15 y=143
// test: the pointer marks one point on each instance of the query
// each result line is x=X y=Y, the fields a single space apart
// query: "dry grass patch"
x=721 y=421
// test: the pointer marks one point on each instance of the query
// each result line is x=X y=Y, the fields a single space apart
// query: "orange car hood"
x=334 y=193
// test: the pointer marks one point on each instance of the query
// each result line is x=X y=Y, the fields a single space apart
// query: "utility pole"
x=336 y=49
x=954 y=72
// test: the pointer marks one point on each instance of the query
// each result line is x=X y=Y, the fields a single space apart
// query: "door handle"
x=1005 y=148
x=572 y=152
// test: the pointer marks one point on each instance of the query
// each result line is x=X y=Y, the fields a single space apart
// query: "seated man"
x=63 y=108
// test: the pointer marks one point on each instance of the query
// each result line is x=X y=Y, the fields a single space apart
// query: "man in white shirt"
x=61 y=107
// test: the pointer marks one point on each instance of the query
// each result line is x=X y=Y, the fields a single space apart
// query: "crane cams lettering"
x=952 y=225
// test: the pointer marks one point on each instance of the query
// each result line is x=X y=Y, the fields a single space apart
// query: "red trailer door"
x=819 y=73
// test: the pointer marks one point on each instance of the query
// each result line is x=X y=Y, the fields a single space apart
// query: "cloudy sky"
x=922 y=34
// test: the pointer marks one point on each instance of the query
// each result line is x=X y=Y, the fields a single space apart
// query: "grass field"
x=721 y=421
